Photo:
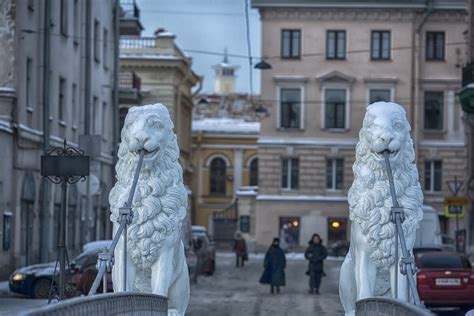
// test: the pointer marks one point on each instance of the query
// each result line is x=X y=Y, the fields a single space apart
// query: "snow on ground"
x=289 y=256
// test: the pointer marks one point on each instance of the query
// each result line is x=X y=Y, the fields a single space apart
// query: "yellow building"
x=225 y=159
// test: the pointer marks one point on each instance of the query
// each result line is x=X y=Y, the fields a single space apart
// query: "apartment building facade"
x=330 y=59
x=166 y=76
x=57 y=83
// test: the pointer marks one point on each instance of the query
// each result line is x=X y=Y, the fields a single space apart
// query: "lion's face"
x=146 y=128
x=386 y=128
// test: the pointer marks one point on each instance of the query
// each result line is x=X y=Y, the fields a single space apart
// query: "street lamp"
x=261 y=111
x=262 y=65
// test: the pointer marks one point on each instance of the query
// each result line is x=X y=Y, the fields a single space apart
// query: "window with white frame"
x=335 y=108
x=435 y=46
x=434 y=110
x=290 y=107
x=380 y=45
x=217 y=172
x=377 y=95
x=105 y=49
x=29 y=83
x=433 y=175
x=334 y=174
x=291 y=44
x=289 y=173
x=336 y=45
x=96 y=41
x=62 y=99
x=254 y=172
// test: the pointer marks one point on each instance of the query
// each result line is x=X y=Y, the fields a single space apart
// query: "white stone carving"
x=369 y=267
x=156 y=260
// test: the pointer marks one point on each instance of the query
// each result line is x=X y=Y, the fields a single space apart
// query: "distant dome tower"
x=225 y=76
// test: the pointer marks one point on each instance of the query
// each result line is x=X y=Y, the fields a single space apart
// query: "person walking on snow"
x=315 y=253
x=274 y=266
x=240 y=249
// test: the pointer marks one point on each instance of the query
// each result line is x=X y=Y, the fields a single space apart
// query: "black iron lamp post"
x=63 y=165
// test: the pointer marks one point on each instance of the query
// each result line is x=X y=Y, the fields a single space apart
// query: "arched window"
x=254 y=172
x=217 y=176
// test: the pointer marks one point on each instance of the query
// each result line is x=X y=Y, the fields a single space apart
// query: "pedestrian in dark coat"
x=274 y=267
x=315 y=253
x=240 y=249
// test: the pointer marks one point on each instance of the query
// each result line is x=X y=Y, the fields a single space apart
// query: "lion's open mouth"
x=391 y=154
x=148 y=154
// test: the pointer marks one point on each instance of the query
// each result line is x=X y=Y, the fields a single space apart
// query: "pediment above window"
x=335 y=76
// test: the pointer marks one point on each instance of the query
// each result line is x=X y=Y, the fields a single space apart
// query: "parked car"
x=445 y=279
x=35 y=280
x=97 y=245
x=200 y=232
x=338 y=248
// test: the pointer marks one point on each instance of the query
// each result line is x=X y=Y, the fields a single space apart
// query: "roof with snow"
x=225 y=126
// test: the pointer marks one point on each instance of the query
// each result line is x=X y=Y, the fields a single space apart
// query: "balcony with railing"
x=467 y=93
x=129 y=18
x=129 y=88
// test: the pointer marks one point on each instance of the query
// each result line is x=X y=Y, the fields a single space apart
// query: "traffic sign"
x=454 y=206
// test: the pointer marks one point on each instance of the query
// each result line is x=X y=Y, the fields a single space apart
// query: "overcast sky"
x=207 y=25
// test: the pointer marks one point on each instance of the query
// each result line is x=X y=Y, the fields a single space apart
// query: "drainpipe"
x=116 y=123
x=44 y=238
x=417 y=60
x=87 y=117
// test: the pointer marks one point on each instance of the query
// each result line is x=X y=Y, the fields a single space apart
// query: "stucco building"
x=225 y=133
x=57 y=82
x=160 y=72
x=330 y=59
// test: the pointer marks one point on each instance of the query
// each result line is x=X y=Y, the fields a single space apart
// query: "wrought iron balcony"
x=129 y=88
x=467 y=93
x=129 y=18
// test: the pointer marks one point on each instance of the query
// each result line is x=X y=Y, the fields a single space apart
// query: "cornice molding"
x=359 y=14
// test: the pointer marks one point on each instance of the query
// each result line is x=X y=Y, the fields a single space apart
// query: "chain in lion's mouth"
x=391 y=153
x=148 y=154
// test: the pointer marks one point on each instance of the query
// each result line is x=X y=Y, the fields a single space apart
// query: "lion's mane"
x=370 y=200
x=160 y=199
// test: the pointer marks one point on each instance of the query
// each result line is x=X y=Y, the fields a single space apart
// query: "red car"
x=445 y=279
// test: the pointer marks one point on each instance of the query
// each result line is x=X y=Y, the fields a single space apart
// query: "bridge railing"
x=381 y=306
x=121 y=303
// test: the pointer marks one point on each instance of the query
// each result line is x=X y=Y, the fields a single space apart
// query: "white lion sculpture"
x=156 y=262
x=369 y=268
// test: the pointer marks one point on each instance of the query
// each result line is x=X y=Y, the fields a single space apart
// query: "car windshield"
x=79 y=261
x=444 y=262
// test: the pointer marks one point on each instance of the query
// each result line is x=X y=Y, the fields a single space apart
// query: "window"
x=63 y=16
x=289 y=173
x=76 y=25
x=94 y=123
x=228 y=72
x=29 y=84
x=290 y=44
x=380 y=45
x=377 y=95
x=74 y=105
x=245 y=223
x=336 y=45
x=104 y=120
x=254 y=172
x=290 y=107
x=61 y=99
x=334 y=174
x=335 y=108
x=433 y=175
x=105 y=49
x=96 y=41
x=217 y=176
x=434 y=110
x=434 y=45
x=7 y=231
